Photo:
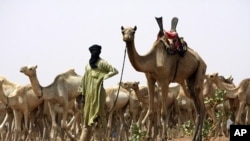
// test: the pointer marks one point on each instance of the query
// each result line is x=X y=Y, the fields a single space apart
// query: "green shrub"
x=137 y=134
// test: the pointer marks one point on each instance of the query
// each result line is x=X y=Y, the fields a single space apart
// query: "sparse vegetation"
x=208 y=126
x=137 y=134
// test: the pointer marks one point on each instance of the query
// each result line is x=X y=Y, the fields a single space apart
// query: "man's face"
x=95 y=52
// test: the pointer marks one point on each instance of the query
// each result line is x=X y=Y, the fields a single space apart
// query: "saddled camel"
x=60 y=92
x=164 y=68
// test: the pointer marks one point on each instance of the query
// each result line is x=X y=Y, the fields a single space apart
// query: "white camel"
x=60 y=92
x=116 y=102
x=23 y=101
x=8 y=88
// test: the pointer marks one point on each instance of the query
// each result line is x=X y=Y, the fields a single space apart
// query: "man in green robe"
x=93 y=91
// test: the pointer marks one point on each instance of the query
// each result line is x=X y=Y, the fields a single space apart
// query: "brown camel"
x=227 y=106
x=164 y=68
x=60 y=92
x=241 y=94
x=141 y=93
x=143 y=97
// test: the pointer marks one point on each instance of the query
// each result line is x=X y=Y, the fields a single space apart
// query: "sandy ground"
x=190 y=138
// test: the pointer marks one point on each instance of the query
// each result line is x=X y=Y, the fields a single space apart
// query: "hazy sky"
x=56 y=34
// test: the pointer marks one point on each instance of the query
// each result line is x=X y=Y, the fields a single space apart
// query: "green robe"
x=92 y=88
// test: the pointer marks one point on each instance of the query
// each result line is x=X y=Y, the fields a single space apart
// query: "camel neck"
x=36 y=85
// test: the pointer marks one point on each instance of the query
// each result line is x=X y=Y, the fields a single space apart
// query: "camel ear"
x=137 y=82
x=135 y=28
x=216 y=74
x=122 y=28
x=35 y=66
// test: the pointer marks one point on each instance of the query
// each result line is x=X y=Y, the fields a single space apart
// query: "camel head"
x=212 y=76
x=129 y=85
x=216 y=76
x=29 y=70
x=128 y=33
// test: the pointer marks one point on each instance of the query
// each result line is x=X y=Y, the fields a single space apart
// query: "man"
x=93 y=91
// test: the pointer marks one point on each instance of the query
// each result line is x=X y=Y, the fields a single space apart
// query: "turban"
x=95 y=51
x=95 y=47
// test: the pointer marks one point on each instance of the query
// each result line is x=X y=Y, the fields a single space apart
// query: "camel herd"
x=34 y=112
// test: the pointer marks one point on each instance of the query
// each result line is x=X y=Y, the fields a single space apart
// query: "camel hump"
x=70 y=72
x=245 y=84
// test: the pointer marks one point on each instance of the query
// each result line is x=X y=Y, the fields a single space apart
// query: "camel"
x=6 y=121
x=164 y=68
x=8 y=88
x=118 y=105
x=186 y=108
x=60 y=92
x=22 y=101
x=241 y=94
x=226 y=106
x=142 y=95
x=135 y=107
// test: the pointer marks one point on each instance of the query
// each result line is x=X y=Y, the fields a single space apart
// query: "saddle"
x=179 y=45
x=175 y=44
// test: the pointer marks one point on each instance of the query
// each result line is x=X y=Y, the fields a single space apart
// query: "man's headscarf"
x=95 y=51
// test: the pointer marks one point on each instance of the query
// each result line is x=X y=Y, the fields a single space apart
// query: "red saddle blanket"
x=171 y=34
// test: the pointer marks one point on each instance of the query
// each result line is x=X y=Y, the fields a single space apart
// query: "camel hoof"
x=148 y=138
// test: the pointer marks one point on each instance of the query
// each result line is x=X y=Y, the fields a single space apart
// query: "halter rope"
x=120 y=79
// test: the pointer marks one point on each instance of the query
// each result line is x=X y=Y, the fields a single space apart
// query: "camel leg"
x=18 y=120
x=65 y=115
x=158 y=120
x=164 y=110
x=195 y=92
x=26 y=120
x=239 y=112
x=149 y=115
x=53 y=118
x=86 y=133
x=109 y=128
x=3 y=129
x=247 y=115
